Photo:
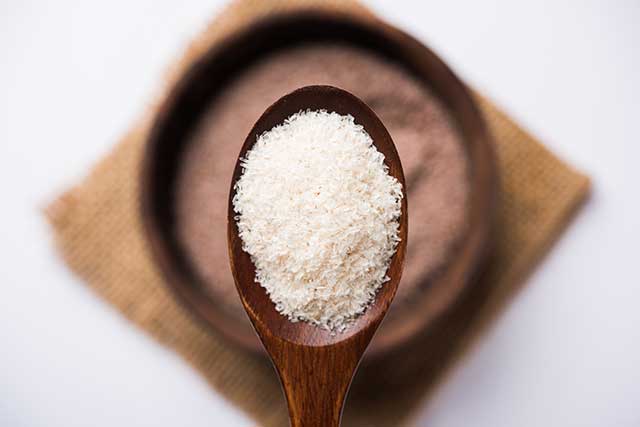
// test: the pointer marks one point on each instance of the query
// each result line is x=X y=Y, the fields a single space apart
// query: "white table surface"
x=74 y=74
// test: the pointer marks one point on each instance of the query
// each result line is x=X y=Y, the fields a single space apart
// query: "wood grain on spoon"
x=314 y=365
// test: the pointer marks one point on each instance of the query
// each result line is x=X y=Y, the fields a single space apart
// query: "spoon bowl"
x=315 y=365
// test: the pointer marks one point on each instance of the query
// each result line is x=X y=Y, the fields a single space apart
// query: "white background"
x=74 y=74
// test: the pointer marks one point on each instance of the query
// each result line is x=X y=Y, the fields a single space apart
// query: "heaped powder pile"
x=319 y=214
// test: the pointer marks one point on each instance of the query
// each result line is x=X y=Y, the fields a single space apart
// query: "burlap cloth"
x=99 y=234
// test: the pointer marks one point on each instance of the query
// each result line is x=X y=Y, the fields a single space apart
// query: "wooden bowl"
x=189 y=99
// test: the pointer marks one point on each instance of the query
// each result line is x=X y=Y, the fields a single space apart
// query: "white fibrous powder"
x=319 y=214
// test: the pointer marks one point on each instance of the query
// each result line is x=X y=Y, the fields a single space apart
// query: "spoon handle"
x=315 y=381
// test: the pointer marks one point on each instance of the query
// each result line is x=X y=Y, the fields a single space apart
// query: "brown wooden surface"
x=194 y=92
x=314 y=365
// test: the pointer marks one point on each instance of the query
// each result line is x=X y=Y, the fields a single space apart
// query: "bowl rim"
x=475 y=245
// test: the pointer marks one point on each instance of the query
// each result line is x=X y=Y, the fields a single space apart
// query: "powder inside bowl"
x=430 y=148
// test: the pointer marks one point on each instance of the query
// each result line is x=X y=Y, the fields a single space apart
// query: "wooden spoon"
x=315 y=367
